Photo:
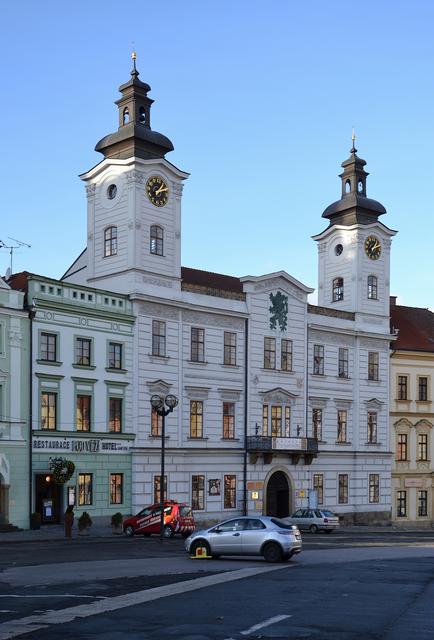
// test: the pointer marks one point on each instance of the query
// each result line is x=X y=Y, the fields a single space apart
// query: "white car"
x=314 y=520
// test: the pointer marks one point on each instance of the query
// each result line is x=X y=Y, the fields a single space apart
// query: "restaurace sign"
x=80 y=445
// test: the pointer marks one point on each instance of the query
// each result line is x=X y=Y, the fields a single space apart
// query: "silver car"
x=270 y=537
x=314 y=520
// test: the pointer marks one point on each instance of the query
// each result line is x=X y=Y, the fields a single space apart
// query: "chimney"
x=393 y=301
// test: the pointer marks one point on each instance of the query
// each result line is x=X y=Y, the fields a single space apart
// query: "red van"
x=178 y=518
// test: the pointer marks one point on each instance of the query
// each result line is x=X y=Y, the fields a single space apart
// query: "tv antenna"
x=17 y=245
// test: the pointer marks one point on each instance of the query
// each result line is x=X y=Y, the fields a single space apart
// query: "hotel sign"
x=79 y=445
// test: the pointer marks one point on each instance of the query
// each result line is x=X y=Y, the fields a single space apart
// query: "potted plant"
x=84 y=524
x=35 y=520
x=116 y=523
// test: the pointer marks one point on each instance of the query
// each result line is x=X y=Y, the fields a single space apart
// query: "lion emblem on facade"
x=279 y=311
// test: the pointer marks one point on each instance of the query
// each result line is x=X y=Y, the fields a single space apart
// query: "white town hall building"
x=277 y=397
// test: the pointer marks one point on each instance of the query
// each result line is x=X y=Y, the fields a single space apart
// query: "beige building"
x=412 y=415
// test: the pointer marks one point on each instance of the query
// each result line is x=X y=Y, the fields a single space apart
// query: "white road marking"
x=21 y=626
x=266 y=623
x=51 y=595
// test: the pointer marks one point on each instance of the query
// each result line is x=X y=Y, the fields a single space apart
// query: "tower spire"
x=353 y=139
x=134 y=72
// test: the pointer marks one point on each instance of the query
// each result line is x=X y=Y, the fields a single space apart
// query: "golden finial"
x=353 y=138
x=134 y=56
x=134 y=72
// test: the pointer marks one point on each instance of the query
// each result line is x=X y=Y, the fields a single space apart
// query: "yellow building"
x=412 y=415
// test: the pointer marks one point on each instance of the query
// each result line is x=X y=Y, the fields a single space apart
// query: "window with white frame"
x=230 y=348
x=230 y=491
x=402 y=387
x=318 y=360
x=422 y=503
x=422 y=388
x=156 y=423
x=373 y=364
x=83 y=351
x=48 y=346
x=374 y=488
x=197 y=493
x=197 y=344
x=372 y=427
x=110 y=242
x=317 y=423
x=338 y=289
x=196 y=419
x=158 y=338
x=422 y=447
x=228 y=420
x=343 y=488
x=401 y=504
x=343 y=363
x=318 y=485
x=342 y=425
x=156 y=240
x=286 y=355
x=372 y=288
x=401 y=447
x=269 y=353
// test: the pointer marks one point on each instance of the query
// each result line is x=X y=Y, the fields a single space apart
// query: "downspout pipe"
x=246 y=397
x=32 y=312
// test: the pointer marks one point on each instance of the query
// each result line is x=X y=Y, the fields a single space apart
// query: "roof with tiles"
x=415 y=325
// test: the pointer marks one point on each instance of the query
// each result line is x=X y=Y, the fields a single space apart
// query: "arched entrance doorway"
x=279 y=496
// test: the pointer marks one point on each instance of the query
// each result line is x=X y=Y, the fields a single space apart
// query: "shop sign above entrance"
x=80 y=445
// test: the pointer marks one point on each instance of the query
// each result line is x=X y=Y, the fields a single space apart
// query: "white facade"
x=270 y=399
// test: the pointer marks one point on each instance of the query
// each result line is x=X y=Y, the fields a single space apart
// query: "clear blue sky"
x=259 y=100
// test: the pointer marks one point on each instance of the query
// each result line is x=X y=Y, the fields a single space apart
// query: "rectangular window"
x=402 y=387
x=196 y=419
x=115 y=415
x=401 y=447
x=422 y=503
x=374 y=487
x=286 y=355
x=423 y=388
x=401 y=504
x=342 y=425
x=83 y=407
x=82 y=351
x=157 y=485
x=276 y=422
x=48 y=410
x=115 y=355
x=197 y=493
x=156 y=423
x=230 y=498
x=48 y=347
x=372 y=287
x=343 y=363
x=318 y=359
x=422 y=446
x=343 y=488
x=158 y=338
x=230 y=348
x=84 y=489
x=318 y=485
x=317 y=424
x=372 y=427
x=197 y=344
x=287 y=422
x=269 y=353
x=116 y=488
x=228 y=420
x=265 y=419
x=373 y=359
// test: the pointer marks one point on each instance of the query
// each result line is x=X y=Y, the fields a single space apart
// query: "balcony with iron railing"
x=270 y=445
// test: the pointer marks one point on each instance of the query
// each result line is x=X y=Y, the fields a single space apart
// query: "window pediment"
x=197 y=393
x=278 y=396
x=423 y=426
x=403 y=425
x=159 y=386
x=374 y=404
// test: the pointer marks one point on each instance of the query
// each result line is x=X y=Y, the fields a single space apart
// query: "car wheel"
x=313 y=528
x=168 y=531
x=197 y=544
x=272 y=552
x=129 y=531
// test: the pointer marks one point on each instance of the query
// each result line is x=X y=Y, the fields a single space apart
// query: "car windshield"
x=328 y=514
x=281 y=524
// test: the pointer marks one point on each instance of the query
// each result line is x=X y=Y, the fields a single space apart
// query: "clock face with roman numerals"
x=373 y=247
x=157 y=190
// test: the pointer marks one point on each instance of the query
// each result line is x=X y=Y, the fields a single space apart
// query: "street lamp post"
x=159 y=404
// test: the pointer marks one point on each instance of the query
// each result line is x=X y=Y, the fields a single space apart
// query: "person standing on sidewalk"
x=69 y=521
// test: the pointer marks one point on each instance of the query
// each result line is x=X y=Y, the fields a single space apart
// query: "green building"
x=14 y=409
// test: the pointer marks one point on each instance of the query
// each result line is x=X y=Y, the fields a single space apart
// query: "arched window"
x=360 y=186
x=142 y=115
x=125 y=116
x=348 y=186
x=110 y=241
x=338 y=289
x=372 y=288
x=156 y=242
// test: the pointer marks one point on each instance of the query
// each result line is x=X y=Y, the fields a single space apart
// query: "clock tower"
x=134 y=202
x=354 y=250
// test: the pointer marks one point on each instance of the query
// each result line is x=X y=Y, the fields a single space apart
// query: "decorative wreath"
x=62 y=469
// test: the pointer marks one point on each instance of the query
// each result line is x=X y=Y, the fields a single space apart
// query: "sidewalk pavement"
x=98 y=531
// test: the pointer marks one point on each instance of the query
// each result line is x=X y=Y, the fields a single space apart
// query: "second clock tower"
x=354 y=250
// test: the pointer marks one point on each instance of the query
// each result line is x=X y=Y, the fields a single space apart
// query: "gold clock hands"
x=161 y=189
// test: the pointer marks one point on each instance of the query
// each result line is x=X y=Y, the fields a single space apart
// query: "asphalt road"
x=361 y=585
